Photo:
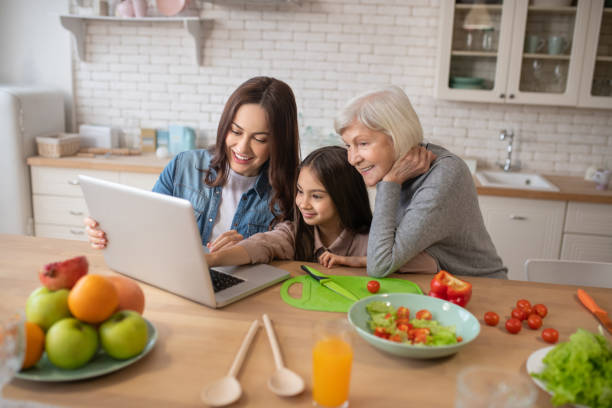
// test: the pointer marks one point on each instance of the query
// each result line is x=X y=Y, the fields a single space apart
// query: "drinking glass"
x=559 y=74
x=536 y=66
x=488 y=387
x=12 y=347
x=332 y=358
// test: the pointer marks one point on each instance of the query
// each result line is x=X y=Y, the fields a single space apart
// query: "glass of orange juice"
x=332 y=358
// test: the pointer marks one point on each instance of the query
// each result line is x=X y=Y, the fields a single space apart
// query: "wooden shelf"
x=490 y=7
x=603 y=59
x=547 y=56
x=77 y=27
x=560 y=10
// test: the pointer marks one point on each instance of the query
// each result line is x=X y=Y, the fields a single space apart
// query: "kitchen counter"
x=196 y=344
x=571 y=188
x=143 y=163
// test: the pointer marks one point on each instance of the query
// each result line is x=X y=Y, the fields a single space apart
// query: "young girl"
x=331 y=223
x=246 y=183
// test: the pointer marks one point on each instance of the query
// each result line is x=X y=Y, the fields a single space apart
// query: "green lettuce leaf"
x=580 y=371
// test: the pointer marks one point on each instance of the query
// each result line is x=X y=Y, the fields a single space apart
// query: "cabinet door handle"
x=72 y=212
x=73 y=182
x=517 y=217
x=76 y=232
x=511 y=96
x=502 y=96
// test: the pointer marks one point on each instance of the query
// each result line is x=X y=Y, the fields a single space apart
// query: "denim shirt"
x=184 y=176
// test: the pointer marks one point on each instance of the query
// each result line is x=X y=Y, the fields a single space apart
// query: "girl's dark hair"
x=277 y=99
x=347 y=191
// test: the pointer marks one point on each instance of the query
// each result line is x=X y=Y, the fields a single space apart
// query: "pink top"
x=280 y=244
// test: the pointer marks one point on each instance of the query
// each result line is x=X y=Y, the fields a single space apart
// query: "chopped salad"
x=396 y=325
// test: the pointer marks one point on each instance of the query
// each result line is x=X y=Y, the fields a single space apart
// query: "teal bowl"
x=447 y=313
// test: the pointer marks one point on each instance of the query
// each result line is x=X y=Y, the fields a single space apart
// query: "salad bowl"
x=446 y=313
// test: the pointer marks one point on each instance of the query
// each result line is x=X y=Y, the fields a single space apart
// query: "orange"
x=35 y=344
x=93 y=299
x=131 y=296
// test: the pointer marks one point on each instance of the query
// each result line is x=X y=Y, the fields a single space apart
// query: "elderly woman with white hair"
x=419 y=207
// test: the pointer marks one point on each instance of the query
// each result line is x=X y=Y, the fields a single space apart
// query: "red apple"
x=64 y=274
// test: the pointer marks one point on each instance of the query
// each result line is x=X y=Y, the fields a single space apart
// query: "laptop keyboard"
x=222 y=281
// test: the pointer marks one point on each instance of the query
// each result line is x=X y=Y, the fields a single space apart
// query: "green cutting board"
x=318 y=297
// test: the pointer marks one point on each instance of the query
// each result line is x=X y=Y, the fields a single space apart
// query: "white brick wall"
x=143 y=75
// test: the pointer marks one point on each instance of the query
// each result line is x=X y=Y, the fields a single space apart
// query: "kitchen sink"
x=522 y=181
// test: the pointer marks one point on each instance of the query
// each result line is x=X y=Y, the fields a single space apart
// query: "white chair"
x=563 y=272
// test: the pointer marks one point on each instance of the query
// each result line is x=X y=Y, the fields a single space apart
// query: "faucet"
x=503 y=135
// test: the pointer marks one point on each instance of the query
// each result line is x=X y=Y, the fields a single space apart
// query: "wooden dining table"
x=197 y=344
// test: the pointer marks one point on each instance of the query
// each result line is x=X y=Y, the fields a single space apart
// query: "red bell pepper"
x=448 y=287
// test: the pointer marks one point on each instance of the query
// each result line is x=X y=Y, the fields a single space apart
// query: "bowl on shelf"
x=460 y=82
x=447 y=313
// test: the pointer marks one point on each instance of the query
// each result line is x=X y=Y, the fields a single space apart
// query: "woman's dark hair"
x=277 y=99
x=347 y=191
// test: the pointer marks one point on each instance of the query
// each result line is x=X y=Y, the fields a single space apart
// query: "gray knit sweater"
x=436 y=212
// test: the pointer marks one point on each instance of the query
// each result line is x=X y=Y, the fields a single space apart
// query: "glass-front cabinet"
x=526 y=51
x=596 y=87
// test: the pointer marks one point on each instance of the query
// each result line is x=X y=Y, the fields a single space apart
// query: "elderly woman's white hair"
x=387 y=110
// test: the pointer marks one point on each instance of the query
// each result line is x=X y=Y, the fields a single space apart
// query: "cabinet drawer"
x=61 y=181
x=138 y=180
x=589 y=218
x=522 y=229
x=59 y=210
x=586 y=248
x=60 y=231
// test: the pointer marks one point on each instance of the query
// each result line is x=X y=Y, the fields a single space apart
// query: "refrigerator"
x=25 y=112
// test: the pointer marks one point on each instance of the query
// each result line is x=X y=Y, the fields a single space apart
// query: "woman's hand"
x=414 y=163
x=97 y=237
x=225 y=240
x=329 y=260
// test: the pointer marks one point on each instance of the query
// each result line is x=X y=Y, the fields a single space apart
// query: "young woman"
x=331 y=224
x=436 y=211
x=245 y=184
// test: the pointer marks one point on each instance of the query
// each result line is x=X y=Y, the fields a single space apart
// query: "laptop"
x=154 y=238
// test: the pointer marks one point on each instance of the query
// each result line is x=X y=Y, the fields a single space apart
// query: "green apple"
x=70 y=343
x=124 y=334
x=45 y=307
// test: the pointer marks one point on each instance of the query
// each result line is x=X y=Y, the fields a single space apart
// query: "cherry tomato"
x=380 y=332
x=403 y=313
x=513 y=325
x=491 y=318
x=459 y=339
x=550 y=335
x=540 y=310
x=523 y=304
x=534 y=321
x=405 y=327
x=373 y=286
x=423 y=315
x=519 y=314
x=396 y=338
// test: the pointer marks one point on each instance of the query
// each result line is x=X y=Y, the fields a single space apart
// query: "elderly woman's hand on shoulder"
x=414 y=163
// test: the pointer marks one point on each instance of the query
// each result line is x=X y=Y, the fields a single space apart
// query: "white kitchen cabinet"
x=59 y=206
x=587 y=234
x=596 y=86
x=522 y=229
x=483 y=54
